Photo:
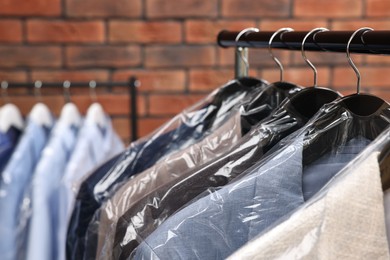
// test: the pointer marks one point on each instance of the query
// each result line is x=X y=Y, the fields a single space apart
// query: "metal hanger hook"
x=92 y=90
x=66 y=86
x=4 y=92
x=357 y=72
x=240 y=49
x=315 y=31
x=281 y=30
x=37 y=90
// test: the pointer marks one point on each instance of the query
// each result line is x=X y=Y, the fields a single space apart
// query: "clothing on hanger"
x=185 y=129
x=44 y=221
x=167 y=170
x=96 y=143
x=14 y=181
x=345 y=220
x=157 y=206
x=274 y=187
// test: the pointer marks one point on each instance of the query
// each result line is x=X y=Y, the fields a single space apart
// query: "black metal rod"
x=133 y=84
x=373 y=42
x=61 y=84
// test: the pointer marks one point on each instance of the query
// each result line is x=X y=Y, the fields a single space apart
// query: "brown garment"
x=166 y=171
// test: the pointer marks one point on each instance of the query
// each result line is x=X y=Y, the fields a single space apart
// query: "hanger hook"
x=282 y=31
x=357 y=72
x=92 y=91
x=37 y=90
x=4 y=92
x=66 y=86
x=315 y=31
x=240 y=50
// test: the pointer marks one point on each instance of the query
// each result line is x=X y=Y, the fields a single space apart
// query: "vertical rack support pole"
x=240 y=67
x=133 y=85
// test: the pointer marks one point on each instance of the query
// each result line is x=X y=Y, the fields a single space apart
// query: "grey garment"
x=217 y=225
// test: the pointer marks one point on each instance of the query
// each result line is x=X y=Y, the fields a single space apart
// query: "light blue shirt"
x=42 y=241
x=14 y=181
x=94 y=147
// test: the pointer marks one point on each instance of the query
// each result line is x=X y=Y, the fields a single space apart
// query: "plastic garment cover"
x=145 y=215
x=343 y=221
x=183 y=130
x=102 y=228
x=221 y=221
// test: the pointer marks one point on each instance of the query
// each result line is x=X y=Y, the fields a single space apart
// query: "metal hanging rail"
x=373 y=42
x=132 y=85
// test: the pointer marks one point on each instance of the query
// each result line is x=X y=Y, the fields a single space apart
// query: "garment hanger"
x=308 y=101
x=279 y=90
x=360 y=104
x=95 y=112
x=40 y=113
x=10 y=115
x=356 y=115
x=70 y=115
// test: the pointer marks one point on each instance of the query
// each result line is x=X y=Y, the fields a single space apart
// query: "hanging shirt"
x=182 y=131
x=345 y=221
x=15 y=179
x=8 y=142
x=94 y=147
x=42 y=242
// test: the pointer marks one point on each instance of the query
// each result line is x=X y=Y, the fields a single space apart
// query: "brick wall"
x=170 y=46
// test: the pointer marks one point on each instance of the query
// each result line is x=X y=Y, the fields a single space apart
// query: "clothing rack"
x=132 y=85
x=373 y=42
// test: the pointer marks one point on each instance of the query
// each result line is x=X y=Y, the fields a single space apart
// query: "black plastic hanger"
x=370 y=116
x=308 y=101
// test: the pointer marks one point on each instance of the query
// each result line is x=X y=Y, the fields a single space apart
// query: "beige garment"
x=345 y=222
x=167 y=170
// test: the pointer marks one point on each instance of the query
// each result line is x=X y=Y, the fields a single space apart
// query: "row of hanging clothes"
x=42 y=159
x=254 y=170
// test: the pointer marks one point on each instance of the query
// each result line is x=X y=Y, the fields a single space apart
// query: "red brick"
x=145 y=32
x=383 y=94
x=72 y=75
x=10 y=31
x=206 y=31
x=378 y=59
x=181 y=9
x=155 y=80
x=207 y=79
x=26 y=103
x=255 y=9
x=113 y=104
x=30 y=56
x=357 y=23
x=257 y=57
x=39 y=31
x=148 y=125
x=13 y=76
x=298 y=25
x=378 y=8
x=104 y=8
x=299 y=76
x=122 y=128
x=171 y=104
x=324 y=58
x=103 y=56
x=25 y=8
x=179 y=56
x=334 y=9
x=371 y=77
